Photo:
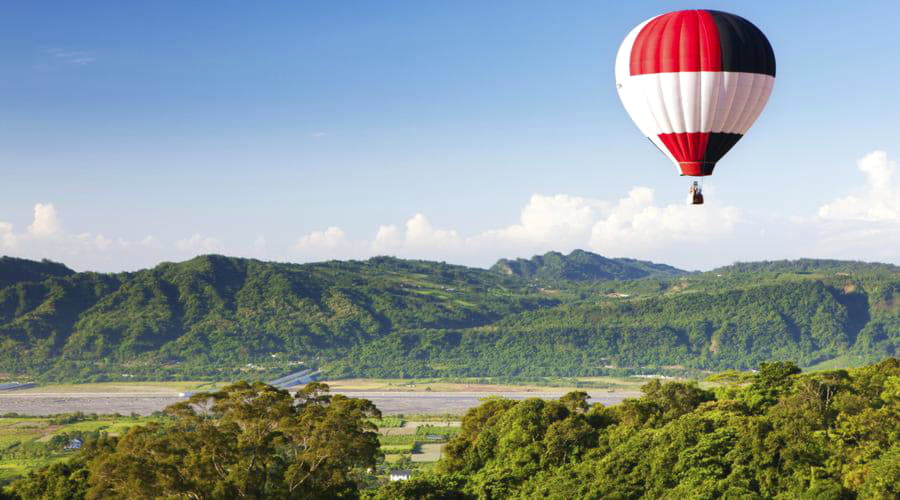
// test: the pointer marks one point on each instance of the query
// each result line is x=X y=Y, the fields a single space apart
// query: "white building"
x=399 y=475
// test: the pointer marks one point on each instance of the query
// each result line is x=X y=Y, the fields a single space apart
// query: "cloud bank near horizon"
x=862 y=225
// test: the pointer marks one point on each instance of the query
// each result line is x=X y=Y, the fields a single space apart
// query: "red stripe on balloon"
x=698 y=152
x=689 y=150
x=686 y=146
x=686 y=40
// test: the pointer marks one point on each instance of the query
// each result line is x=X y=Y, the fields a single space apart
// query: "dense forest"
x=770 y=434
x=576 y=314
x=829 y=435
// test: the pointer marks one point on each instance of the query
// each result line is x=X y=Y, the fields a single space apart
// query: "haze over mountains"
x=576 y=314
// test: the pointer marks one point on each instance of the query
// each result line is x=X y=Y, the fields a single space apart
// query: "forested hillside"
x=214 y=315
x=13 y=270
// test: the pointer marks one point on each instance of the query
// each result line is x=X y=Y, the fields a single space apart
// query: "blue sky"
x=138 y=132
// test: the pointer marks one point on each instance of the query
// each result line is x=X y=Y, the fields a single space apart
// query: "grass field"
x=397 y=439
x=394 y=457
x=390 y=449
x=11 y=469
x=388 y=422
x=842 y=361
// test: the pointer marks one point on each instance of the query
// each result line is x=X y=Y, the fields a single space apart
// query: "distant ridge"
x=807 y=265
x=581 y=265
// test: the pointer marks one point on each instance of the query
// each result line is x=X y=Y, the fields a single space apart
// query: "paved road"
x=390 y=403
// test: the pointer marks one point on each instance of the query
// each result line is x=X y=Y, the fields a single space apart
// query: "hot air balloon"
x=694 y=81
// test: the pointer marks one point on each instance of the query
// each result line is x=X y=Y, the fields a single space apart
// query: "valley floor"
x=390 y=403
x=391 y=396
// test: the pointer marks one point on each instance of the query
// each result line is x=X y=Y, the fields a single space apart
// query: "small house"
x=400 y=475
x=74 y=444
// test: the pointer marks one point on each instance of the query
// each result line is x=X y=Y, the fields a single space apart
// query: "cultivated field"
x=416 y=444
x=28 y=442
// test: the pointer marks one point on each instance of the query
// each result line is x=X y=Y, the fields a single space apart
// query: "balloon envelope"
x=694 y=81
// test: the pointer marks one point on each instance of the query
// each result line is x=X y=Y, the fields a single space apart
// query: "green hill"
x=582 y=266
x=215 y=316
x=13 y=270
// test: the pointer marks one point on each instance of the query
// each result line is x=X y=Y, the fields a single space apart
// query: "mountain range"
x=555 y=314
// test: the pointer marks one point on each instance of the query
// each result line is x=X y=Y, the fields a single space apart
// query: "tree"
x=423 y=488
x=575 y=401
x=245 y=441
x=772 y=380
x=567 y=440
x=329 y=437
x=661 y=403
x=881 y=480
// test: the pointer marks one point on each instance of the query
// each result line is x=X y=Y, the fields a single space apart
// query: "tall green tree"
x=245 y=441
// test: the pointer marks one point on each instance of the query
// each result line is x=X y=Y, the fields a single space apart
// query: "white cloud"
x=863 y=225
x=46 y=222
x=199 y=244
x=329 y=239
x=635 y=226
x=878 y=202
x=387 y=239
x=420 y=233
x=328 y=244
x=317 y=135
x=45 y=237
x=632 y=226
x=98 y=242
x=8 y=241
x=560 y=220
